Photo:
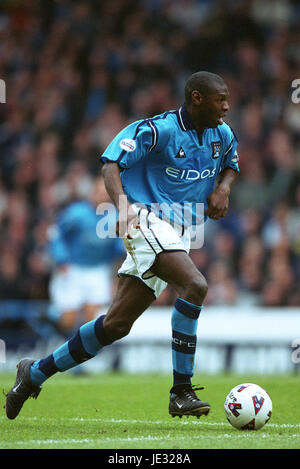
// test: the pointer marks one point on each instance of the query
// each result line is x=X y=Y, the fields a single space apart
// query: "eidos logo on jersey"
x=190 y=174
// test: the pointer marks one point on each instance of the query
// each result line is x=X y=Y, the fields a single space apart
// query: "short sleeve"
x=230 y=157
x=134 y=142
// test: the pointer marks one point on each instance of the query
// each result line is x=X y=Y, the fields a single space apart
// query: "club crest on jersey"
x=216 y=149
x=181 y=153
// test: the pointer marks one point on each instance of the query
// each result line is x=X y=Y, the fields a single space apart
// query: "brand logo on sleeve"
x=235 y=158
x=128 y=144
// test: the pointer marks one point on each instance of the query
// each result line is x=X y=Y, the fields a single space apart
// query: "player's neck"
x=199 y=125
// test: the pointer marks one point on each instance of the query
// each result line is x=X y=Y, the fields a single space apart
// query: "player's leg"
x=178 y=270
x=132 y=298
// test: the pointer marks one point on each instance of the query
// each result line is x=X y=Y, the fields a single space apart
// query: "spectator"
x=81 y=282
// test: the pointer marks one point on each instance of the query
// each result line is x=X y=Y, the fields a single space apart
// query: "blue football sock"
x=85 y=344
x=184 y=339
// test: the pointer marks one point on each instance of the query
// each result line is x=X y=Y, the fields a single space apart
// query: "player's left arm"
x=218 y=200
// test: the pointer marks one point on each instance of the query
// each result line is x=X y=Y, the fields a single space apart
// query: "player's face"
x=213 y=107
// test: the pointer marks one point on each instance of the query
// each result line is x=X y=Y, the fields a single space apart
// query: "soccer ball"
x=248 y=407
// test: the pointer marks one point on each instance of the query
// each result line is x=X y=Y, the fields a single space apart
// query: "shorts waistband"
x=180 y=229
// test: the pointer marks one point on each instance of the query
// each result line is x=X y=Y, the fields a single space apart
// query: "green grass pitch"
x=123 y=411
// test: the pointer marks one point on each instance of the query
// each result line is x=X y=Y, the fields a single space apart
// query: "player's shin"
x=85 y=344
x=184 y=339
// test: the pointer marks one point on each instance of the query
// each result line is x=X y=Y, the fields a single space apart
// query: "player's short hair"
x=202 y=81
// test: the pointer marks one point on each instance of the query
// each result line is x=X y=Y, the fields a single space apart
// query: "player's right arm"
x=136 y=141
x=113 y=184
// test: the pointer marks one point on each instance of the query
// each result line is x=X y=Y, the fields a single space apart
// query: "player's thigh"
x=132 y=298
x=178 y=270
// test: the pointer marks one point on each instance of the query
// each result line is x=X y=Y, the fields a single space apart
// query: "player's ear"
x=197 y=97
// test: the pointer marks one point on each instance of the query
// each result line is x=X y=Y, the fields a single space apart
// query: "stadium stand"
x=76 y=72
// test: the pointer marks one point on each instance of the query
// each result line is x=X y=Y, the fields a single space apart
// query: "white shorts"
x=153 y=236
x=78 y=286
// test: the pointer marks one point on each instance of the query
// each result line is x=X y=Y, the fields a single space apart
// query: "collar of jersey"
x=184 y=119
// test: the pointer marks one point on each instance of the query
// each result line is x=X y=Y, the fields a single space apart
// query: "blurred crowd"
x=77 y=72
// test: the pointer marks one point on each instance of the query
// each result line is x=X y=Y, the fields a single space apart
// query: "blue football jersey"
x=74 y=240
x=166 y=163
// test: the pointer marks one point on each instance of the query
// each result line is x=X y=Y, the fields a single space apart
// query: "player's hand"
x=218 y=203
x=131 y=222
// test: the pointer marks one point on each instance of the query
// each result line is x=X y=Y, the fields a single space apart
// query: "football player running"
x=158 y=166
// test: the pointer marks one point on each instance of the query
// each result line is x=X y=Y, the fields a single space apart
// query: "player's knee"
x=197 y=289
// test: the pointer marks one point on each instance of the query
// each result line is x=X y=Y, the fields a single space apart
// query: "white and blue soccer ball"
x=248 y=407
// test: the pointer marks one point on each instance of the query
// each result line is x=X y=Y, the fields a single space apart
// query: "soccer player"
x=81 y=281
x=182 y=156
